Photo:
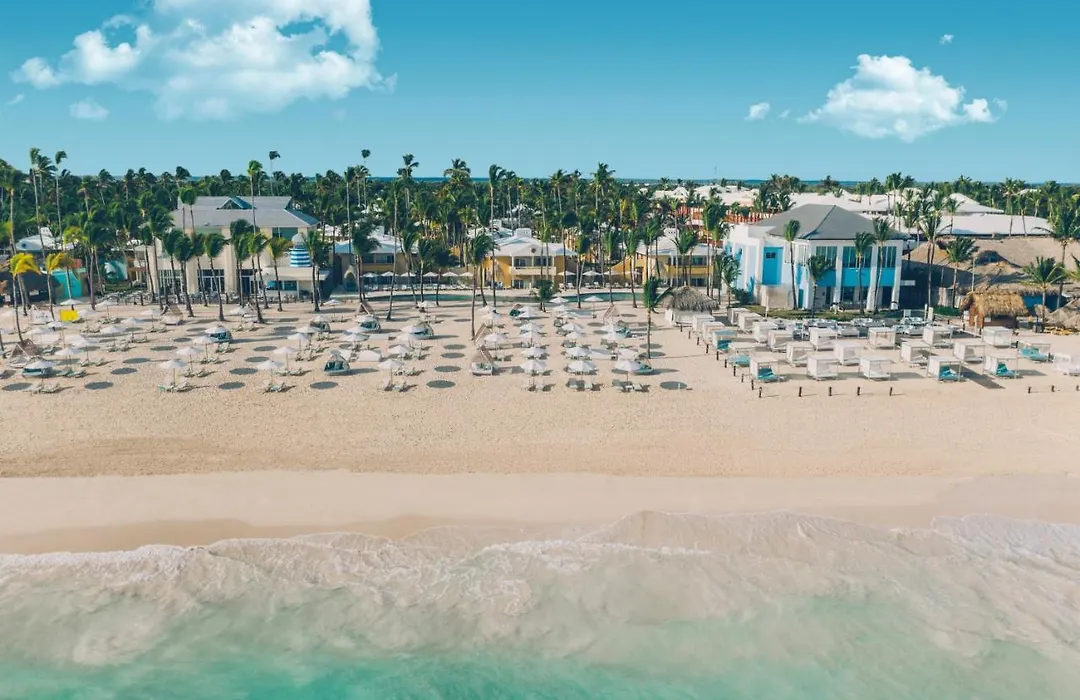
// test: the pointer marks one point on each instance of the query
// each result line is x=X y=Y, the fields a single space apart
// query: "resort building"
x=381 y=267
x=674 y=268
x=521 y=260
x=765 y=260
x=274 y=216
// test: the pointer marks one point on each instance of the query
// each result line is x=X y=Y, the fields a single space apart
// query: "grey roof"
x=819 y=222
x=219 y=212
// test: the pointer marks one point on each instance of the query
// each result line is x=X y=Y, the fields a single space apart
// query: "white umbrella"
x=495 y=338
x=449 y=274
x=465 y=274
x=572 y=328
x=354 y=337
x=301 y=339
x=534 y=353
x=332 y=303
x=354 y=330
x=150 y=313
x=575 y=337
x=285 y=351
x=111 y=331
x=307 y=330
x=236 y=311
x=530 y=328
x=66 y=354
x=610 y=328
x=493 y=315
x=70 y=302
x=270 y=367
x=414 y=330
x=431 y=275
x=628 y=366
x=387 y=274
x=173 y=366
x=399 y=350
x=593 y=300
x=368 y=356
x=612 y=337
x=628 y=354
x=370 y=275
x=528 y=312
x=391 y=365
x=366 y=318
x=567 y=273
x=578 y=353
x=188 y=351
x=57 y=325
x=581 y=367
x=534 y=366
x=203 y=341
x=86 y=347
x=590 y=273
x=560 y=300
x=531 y=339
x=319 y=318
x=216 y=330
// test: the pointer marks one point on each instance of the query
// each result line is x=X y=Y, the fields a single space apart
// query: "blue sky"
x=535 y=86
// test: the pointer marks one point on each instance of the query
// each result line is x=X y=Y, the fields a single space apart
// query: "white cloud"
x=888 y=96
x=1001 y=104
x=89 y=110
x=785 y=114
x=945 y=39
x=218 y=59
x=16 y=100
x=758 y=111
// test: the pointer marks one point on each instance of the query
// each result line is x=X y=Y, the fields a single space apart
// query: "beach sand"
x=697 y=420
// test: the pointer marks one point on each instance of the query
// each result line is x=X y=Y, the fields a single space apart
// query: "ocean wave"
x=692 y=594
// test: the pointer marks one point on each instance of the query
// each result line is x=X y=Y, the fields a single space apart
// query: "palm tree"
x=257 y=243
x=635 y=238
x=363 y=243
x=273 y=156
x=685 y=243
x=651 y=297
x=184 y=249
x=817 y=266
x=442 y=261
x=864 y=246
x=278 y=246
x=1044 y=273
x=482 y=245
x=170 y=243
x=20 y=264
x=316 y=249
x=961 y=249
x=239 y=232
x=583 y=246
x=791 y=234
x=714 y=221
x=929 y=226
x=158 y=224
x=882 y=235
x=59 y=158
x=213 y=244
x=55 y=262
x=410 y=239
x=1064 y=229
x=727 y=266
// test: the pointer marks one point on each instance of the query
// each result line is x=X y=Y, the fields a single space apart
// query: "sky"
x=699 y=89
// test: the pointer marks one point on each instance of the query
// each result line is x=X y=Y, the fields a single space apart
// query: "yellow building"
x=673 y=268
x=521 y=260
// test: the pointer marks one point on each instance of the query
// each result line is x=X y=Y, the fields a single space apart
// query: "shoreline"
x=39 y=515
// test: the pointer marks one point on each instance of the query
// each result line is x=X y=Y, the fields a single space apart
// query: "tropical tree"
x=817 y=266
x=727 y=265
x=425 y=259
x=714 y=221
x=239 y=233
x=930 y=227
x=20 y=265
x=157 y=225
x=443 y=260
x=273 y=156
x=363 y=243
x=864 y=248
x=278 y=246
x=960 y=250
x=882 y=234
x=410 y=239
x=1043 y=274
x=184 y=249
x=791 y=234
x=634 y=239
x=213 y=245
x=481 y=247
x=651 y=297
x=582 y=246
x=1064 y=229
x=685 y=243
x=257 y=243
x=317 y=251
x=54 y=262
x=170 y=244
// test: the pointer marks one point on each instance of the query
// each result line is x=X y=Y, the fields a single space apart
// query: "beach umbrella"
x=368 y=356
x=495 y=339
x=349 y=337
x=301 y=339
x=307 y=330
x=111 y=331
x=610 y=328
x=70 y=302
x=449 y=274
x=465 y=274
x=86 y=347
x=57 y=325
x=366 y=318
x=414 y=330
x=534 y=353
x=559 y=300
x=391 y=365
x=529 y=312
x=628 y=367
x=529 y=328
x=66 y=354
x=370 y=275
x=387 y=274
x=629 y=354
x=332 y=303
x=593 y=300
x=216 y=329
x=612 y=337
x=573 y=327
x=590 y=273
x=567 y=273
x=270 y=367
x=399 y=350
x=189 y=352
x=354 y=330
x=578 y=353
x=150 y=313
x=431 y=275
x=575 y=336
x=531 y=339
x=285 y=351
x=581 y=367
x=173 y=366
x=106 y=304
x=534 y=367
x=599 y=355
x=236 y=311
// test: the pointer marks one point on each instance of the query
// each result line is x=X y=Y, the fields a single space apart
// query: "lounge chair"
x=336 y=368
x=640 y=388
x=1002 y=371
x=275 y=387
x=1034 y=354
x=740 y=360
x=50 y=389
x=482 y=369
x=948 y=374
x=767 y=376
x=166 y=387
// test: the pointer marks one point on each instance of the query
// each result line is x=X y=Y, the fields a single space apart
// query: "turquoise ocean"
x=763 y=607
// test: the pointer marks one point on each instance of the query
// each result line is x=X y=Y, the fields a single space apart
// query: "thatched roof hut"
x=689 y=299
x=994 y=305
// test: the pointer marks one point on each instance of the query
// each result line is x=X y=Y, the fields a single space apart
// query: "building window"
x=286 y=285
x=770 y=255
x=697 y=261
x=887 y=257
x=828 y=252
x=521 y=262
x=851 y=258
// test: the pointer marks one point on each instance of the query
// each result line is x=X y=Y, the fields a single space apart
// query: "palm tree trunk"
x=794 y=293
x=360 y=278
x=262 y=286
x=929 y=273
x=877 y=280
x=277 y=283
x=187 y=293
x=472 y=310
x=633 y=296
x=494 y=296
x=220 y=292
x=315 y=288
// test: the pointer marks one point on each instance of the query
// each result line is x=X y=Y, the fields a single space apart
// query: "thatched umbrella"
x=689 y=299
x=990 y=304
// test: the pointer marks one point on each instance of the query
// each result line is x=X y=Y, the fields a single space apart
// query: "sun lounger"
x=948 y=374
x=1002 y=371
x=275 y=387
x=767 y=376
x=1034 y=354
x=640 y=388
x=166 y=387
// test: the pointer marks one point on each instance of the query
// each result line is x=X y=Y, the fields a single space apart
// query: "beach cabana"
x=969 y=350
x=747 y=321
x=763 y=369
x=881 y=338
x=822 y=367
x=219 y=334
x=733 y=314
x=420 y=331
x=368 y=323
x=779 y=339
x=875 y=367
x=739 y=353
x=822 y=338
x=761 y=329
x=1001 y=363
x=1067 y=364
x=944 y=368
x=997 y=336
x=722 y=338
x=38 y=369
x=937 y=336
x=797 y=352
x=1035 y=350
x=914 y=352
x=483 y=364
x=846 y=352
x=336 y=365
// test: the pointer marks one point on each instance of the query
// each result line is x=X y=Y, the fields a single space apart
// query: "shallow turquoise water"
x=655 y=606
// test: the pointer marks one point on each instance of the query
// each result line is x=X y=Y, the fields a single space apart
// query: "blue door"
x=770 y=269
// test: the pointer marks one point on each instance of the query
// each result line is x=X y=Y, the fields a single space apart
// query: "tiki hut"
x=689 y=299
x=994 y=307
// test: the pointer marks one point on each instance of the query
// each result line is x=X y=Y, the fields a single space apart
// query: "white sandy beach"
x=695 y=421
